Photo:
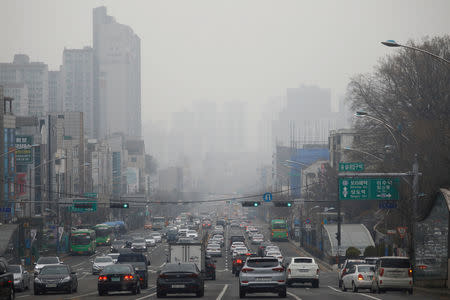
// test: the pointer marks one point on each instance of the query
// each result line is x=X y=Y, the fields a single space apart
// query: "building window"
x=133 y=159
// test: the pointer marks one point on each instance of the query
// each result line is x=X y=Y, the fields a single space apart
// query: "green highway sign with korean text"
x=83 y=205
x=368 y=188
x=351 y=167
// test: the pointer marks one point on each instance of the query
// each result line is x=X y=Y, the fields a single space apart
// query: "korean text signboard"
x=24 y=153
x=351 y=167
x=368 y=188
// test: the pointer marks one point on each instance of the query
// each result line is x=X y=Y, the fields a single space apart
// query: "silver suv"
x=262 y=274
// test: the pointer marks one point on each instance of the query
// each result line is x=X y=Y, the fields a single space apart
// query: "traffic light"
x=119 y=205
x=282 y=204
x=338 y=237
x=251 y=203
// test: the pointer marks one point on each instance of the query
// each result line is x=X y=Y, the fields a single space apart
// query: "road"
x=226 y=286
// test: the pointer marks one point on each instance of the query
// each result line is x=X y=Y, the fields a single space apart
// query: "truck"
x=7 y=290
x=189 y=252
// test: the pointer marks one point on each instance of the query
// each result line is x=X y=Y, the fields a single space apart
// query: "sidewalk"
x=322 y=263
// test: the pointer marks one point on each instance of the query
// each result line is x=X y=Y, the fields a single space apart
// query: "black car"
x=117 y=245
x=118 y=277
x=55 y=278
x=210 y=268
x=180 y=278
x=6 y=281
x=139 y=261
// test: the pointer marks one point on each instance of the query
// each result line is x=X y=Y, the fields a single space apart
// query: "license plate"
x=303 y=270
x=262 y=278
x=115 y=278
x=178 y=286
x=51 y=285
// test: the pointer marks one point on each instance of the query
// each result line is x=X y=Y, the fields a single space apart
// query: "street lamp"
x=392 y=43
x=388 y=126
x=364 y=152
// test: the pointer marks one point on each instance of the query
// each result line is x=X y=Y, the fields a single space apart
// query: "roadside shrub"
x=370 y=251
x=352 y=252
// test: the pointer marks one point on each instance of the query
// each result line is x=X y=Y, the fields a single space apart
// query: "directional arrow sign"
x=368 y=188
x=267 y=197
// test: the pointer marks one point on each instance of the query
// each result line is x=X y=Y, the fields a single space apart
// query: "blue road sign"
x=267 y=197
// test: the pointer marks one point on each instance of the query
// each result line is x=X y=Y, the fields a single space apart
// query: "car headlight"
x=66 y=279
x=37 y=280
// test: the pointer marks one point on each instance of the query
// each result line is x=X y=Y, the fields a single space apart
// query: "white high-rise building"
x=78 y=85
x=34 y=75
x=54 y=91
x=117 y=67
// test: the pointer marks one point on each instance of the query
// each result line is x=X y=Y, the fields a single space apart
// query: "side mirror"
x=25 y=272
x=148 y=262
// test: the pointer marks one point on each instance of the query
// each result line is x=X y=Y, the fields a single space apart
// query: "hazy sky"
x=247 y=50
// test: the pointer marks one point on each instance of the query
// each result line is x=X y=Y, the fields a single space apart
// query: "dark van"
x=139 y=261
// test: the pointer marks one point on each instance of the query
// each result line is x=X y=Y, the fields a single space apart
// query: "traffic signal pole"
x=338 y=234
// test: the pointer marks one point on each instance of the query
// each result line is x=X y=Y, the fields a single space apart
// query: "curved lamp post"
x=392 y=43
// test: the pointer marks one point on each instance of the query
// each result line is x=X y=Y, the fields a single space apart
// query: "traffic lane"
x=213 y=291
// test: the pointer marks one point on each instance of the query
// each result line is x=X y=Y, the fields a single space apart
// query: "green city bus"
x=82 y=242
x=279 y=230
x=103 y=234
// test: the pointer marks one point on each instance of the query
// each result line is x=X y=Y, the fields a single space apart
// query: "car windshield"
x=303 y=260
x=14 y=269
x=366 y=268
x=395 y=263
x=54 y=270
x=178 y=268
x=131 y=258
x=273 y=254
x=47 y=260
x=279 y=226
x=103 y=259
x=117 y=269
x=262 y=263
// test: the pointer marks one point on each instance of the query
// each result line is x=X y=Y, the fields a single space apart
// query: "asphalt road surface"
x=226 y=286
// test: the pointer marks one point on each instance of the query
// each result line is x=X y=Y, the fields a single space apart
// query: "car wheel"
x=344 y=289
x=214 y=276
x=340 y=283
x=138 y=288
x=354 y=288
x=36 y=292
x=410 y=291
x=241 y=293
x=200 y=293
x=12 y=294
x=378 y=289
x=282 y=293
x=160 y=294
x=315 y=284
x=135 y=290
x=236 y=274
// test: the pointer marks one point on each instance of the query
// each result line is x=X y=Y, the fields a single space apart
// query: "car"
x=21 y=277
x=55 y=278
x=237 y=238
x=140 y=263
x=176 y=278
x=392 y=273
x=221 y=222
x=345 y=267
x=118 y=277
x=148 y=226
x=239 y=251
x=301 y=269
x=235 y=245
x=206 y=224
x=213 y=250
x=234 y=225
x=276 y=254
x=139 y=245
x=156 y=236
x=150 y=241
x=371 y=260
x=116 y=245
x=257 y=239
x=45 y=261
x=358 y=277
x=192 y=234
x=114 y=256
x=100 y=262
x=237 y=263
x=7 y=290
x=262 y=274
x=262 y=247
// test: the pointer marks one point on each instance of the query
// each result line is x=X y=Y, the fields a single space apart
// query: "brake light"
x=289 y=271
x=360 y=277
x=248 y=254
x=381 y=271
x=278 y=269
x=102 y=278
x=344 y=271
x=272 y=233
x=239 y=261
x=244 y=281
x=163 y=276
x=281 y=280
x=245 y=270
x=410 y=271
x=128 y=277
x=193 y=275
x=422 y=267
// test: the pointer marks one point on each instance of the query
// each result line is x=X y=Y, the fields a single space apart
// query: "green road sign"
x=24 y=150
x=90 y=195
x=368 y=188
x=351 y=167
x=83 y=205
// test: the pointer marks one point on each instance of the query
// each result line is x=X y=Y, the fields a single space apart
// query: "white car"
x=276 y=254
x=114 y=256
x=192 y=234
x=213 y=250
x=239 y=251
x=257 y=240
x=100 y=262
x=392 y=273
x=236 y=244
x=271 y=248
x=358 y=277
x=150 y=241
x=156 y=236
x=302 y=269
x=46 y=261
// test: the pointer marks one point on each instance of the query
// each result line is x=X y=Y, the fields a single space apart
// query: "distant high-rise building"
x=54 y=91
x=34 y=75
x=19 y=92
x=117 y=76
x=78 y=85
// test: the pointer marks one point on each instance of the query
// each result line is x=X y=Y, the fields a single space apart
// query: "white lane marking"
x=148 y=296
x=84 y=295
x=77 y=265
x=222 y=292
x=294 y=296
x=162 y=265
x=370 y=296
x=334 y=289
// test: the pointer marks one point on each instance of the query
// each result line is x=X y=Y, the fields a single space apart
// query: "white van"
x=392 y=273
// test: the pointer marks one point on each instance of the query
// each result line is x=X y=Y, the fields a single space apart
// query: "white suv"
x=302 y=269
x=392 y=273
